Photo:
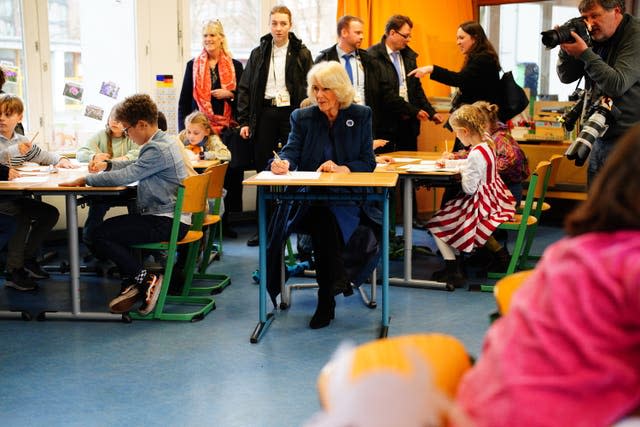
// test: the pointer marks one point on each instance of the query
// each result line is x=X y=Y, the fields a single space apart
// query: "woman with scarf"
x=209 y=86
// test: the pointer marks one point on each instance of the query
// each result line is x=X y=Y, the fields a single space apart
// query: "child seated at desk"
x=34 y=219
x=467 y=220
x=159 y=170
x=109 y=143
x=200 y=139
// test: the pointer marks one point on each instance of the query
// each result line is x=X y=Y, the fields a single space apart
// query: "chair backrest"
x=506 y=287
x=444 y=354
x=555 y=167
x=194 y=193
x=216 y=180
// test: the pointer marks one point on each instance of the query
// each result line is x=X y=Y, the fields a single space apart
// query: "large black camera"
x=600 y=116
x=562 y=34
x=570 y=116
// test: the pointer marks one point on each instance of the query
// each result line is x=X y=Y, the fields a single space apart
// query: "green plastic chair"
x=525 y=223
x=192 y=199
x=537 y=212
x=212 y=223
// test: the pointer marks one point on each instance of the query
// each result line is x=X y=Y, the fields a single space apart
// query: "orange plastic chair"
x=506 y=287
x=445 y=355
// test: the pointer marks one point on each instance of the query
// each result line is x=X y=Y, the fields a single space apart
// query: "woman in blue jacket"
x=332 y=136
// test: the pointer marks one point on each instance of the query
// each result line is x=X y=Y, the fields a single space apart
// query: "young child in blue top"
x=33 y=219
x=159 y=170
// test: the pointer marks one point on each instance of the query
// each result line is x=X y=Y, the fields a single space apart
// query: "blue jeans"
x=599 y=153
x=114 y=237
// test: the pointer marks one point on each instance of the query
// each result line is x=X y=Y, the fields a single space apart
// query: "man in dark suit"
x=360 y=67
x=399 y=120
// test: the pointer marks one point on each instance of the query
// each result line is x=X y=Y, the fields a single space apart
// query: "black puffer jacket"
x=396 y=106
x=254 y=78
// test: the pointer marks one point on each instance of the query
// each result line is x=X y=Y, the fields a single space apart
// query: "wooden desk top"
x=51 y=185
x=354 y=179
x=418 y=155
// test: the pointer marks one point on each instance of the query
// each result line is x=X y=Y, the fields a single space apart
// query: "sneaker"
x=19 y=279
x=153 y=284
x=34 y=269
x=123 y=302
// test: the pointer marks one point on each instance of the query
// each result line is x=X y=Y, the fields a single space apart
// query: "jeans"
x=599 y=153
x=114 y=237
x=34 y=220
x=7 y=228
x=98 y=208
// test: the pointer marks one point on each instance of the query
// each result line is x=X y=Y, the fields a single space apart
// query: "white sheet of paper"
x=405 y=159
x=428 y=162
x=31 y=179
x=427 y=168
x=268 y=176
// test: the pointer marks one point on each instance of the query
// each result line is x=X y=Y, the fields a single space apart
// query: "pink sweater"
x=568 y=352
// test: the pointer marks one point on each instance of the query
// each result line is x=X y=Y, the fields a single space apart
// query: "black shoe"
x=33 y=268
x=19 y=279
x=450 y=274
x=125 y=301
x=500 y=262
x=325 y=312
x=229 y=232
x=254 y=240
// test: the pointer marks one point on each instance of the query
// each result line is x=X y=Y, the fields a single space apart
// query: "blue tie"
x=347 y=65
x=396 y=64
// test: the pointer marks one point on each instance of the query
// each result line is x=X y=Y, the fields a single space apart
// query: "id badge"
x=403 y=92
x=283 y=99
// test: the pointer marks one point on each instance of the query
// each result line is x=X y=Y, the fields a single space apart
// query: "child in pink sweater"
x=568 y=352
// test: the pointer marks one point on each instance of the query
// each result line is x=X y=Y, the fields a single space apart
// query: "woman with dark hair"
x=479 y=77
x=568 y=351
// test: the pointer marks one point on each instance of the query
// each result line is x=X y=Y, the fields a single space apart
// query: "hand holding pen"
x=279 y=166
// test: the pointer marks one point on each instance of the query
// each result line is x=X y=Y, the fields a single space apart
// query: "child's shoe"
x=152 y=284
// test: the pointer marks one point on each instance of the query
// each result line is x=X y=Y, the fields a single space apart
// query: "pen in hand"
x=278 y=159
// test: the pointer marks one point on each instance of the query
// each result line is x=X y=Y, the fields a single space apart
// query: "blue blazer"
x=353 y=147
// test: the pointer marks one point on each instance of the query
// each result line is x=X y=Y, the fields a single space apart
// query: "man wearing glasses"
x=399 y=120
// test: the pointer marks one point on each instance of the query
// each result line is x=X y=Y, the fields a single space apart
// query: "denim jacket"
x=159 y=171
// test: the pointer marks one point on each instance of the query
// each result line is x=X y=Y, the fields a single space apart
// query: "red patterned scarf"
x=202 y=88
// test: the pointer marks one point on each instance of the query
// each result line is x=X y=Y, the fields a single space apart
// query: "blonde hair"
x=331 y=75
x=490 y=110
x=198 y=118
x=470 y=117
x=215 y=27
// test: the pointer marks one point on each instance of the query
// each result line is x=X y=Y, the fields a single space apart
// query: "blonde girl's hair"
x=215 y=27
x=474 y=119
x=490 y=110
x=198 y=118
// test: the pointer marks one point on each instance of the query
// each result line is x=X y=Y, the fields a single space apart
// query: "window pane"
x=92 y=61
x=11 y=49
x=239 y=19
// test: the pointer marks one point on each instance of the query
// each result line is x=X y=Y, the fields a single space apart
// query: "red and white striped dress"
x=467 y=221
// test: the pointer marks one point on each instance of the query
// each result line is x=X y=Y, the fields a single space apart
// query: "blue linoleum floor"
x=64 y=373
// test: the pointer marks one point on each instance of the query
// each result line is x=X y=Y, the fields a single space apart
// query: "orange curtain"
x=434 y=29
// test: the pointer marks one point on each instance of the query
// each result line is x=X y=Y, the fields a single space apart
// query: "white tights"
x=446 y=250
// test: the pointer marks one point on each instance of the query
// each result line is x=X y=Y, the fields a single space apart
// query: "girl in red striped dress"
x=466 y=221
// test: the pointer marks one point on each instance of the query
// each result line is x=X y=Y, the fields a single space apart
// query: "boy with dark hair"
x=159 y=170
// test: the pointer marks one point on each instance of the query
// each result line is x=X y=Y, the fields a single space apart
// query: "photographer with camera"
x=611 y=67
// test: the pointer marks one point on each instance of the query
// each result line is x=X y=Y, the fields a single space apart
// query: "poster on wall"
x=167 y=101
x=110 y=89
x=94 y=112
x=73 y=91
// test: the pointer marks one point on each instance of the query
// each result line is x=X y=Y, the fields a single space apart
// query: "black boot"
x=343 y=287
x=325 y=312
x=500 y=262
x=450 y=274
x=227 y=231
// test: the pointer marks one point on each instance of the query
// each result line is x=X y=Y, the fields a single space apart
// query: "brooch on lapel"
x=349 y=123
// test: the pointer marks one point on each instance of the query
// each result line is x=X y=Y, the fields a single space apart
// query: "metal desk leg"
x=264 y=319
x=74 y=272
x=384 y=330
x=407 y=215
